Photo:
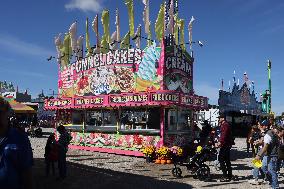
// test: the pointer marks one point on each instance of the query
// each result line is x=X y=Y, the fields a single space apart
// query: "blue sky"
x=237 y=34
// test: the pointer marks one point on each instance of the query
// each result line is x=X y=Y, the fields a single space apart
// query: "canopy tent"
x=20 y=108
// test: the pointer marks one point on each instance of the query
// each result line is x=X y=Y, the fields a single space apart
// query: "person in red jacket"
x=225 y=144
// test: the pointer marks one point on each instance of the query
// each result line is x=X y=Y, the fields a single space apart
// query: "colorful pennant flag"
x=95 y=25
x=176 y=29
x=171 y=18
x=138 y=37
x=88 y=45
x=73 y=35
x=117 y=25
x=181 y=29
x=190 y=31
x=129 y=4
x=113 y=41
x=160 y=23
x=105 y=23
x=125 y=43
x=95 y=28
x=66 y=50
x=58 y=45
x=104 y=48
x=146 y=18
x=79 y=51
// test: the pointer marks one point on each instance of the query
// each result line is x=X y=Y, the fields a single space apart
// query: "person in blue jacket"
x=16 y=157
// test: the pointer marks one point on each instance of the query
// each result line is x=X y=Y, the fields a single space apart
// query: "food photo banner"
x=119 y=71
x=128 y=71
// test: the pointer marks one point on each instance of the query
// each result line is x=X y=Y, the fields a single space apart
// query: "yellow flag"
x=66 y=50
x=105 y=23
x=160 y=23
x=125 y=43
x=104 y=48
x=176 y=28
x=129 y=4
x=181 y=29
x=88 y=45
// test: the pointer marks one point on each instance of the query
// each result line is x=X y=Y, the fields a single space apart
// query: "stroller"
x=196 y=164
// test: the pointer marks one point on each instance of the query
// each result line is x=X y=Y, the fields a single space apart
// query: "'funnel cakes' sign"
x=121 y=56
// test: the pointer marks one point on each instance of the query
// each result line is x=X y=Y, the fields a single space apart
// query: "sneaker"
x=254 y=182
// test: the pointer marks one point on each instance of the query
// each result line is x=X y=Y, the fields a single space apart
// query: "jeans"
x=272 y=171
x=49 y=164
x=256 y=172
x=225 y=162
x=62 y=163
x=265 y=166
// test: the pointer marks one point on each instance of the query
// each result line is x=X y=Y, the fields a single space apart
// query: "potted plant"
x=163 y=154
x=177 y=152
x=149 y=152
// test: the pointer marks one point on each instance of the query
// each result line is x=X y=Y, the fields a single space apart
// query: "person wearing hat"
x=270 y=151
x=225 y=144
x=16 y=157
x=259 y=173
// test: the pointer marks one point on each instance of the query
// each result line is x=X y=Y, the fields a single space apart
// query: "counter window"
x=101 y=118
x=177 y=120
x=77 y=117
x=143 y=118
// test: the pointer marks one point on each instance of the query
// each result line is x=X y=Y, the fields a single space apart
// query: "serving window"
x=178 y=119
x=98 y=118
x=140 y=118
x=77 y=117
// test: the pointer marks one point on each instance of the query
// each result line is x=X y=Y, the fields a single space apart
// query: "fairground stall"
x=123 y=99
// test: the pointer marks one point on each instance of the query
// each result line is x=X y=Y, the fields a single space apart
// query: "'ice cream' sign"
x=178 y=61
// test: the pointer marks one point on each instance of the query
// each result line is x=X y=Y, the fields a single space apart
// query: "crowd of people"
x=265 y=140
x=16 y=157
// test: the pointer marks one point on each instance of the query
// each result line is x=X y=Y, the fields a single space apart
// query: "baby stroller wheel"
x=203 y=172
x=176 y=172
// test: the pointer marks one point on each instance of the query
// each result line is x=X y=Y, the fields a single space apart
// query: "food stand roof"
x=20 y=108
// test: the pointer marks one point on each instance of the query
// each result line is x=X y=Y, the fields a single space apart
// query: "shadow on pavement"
x=87 y=177
x=237 y=154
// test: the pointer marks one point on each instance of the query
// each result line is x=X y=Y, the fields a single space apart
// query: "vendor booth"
x=119 y=99
x=125 y=99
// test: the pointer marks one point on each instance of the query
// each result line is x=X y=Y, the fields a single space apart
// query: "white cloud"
x=85 y=5
x=205 y=89
x=18 y=46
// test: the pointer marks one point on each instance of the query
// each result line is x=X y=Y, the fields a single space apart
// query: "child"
x=51 y=154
